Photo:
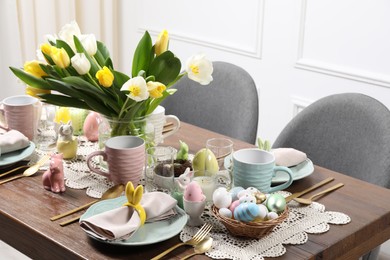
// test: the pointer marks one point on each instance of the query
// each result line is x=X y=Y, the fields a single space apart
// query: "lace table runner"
x=312 y=219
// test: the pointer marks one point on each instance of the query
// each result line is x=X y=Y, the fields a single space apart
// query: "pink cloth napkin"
x=288 y=156
x=13 y=140
x=121 y=223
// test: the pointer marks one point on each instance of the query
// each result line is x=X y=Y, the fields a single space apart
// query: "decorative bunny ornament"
x=67 y=143
x=134 y=197
x=53 y=178
x=184 y=179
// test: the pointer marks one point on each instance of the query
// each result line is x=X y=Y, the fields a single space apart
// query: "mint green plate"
x=150 y=233
x=16 y=156
x=299 y=171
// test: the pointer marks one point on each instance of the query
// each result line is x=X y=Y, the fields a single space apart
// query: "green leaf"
x=64 y=101
x=120 y=78
x=63 y=88
x=108 y=63
x=48 y=59
x=142 y=57
x=165 y=67
x=102 y=54
x=67 y=48
x=30 y=79
x=80 y=49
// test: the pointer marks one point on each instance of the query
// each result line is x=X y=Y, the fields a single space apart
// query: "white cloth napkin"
x=121 y=223
x=288 y=156
x=13 y=140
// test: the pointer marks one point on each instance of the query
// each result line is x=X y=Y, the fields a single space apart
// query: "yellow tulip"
x=35 y=91
x=33 y=68
x=156 y=89
x=62 y=115
x=161 y=43
x=105 y=77
x=46 y=49
x=60 y=57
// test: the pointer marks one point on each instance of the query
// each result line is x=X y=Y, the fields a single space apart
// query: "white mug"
x=158 y=119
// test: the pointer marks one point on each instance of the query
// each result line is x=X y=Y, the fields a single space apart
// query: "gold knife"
x=298 y=194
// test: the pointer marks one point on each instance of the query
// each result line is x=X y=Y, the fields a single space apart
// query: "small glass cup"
x=159 y=171
x=212 y=177
x=46 y=134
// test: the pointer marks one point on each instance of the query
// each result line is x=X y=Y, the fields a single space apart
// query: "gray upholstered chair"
x=229 y=105
x=348 y=133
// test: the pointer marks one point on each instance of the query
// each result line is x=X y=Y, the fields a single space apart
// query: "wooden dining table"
x=26 y=208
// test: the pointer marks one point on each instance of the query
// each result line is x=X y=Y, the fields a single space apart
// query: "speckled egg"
x=193 y=192
x=252 y=190
x=276 y=203
x=222 y=198
x=225 y=212
x=247 y=198
x=234 y=192
x=246 y=212
x=243 y=193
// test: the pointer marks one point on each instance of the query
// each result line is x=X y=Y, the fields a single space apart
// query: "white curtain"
x=23 y=25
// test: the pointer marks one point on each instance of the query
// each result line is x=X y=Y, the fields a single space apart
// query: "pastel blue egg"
x=234 y=192
x=246 y=212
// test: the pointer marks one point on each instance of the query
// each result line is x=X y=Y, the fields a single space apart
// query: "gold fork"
x=31 y=170
x=199 y=236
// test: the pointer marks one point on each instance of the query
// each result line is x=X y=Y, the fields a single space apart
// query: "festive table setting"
x=96 y=169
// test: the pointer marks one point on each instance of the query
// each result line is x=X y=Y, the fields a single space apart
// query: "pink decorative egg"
x=91 y=127
x=193 y=192
x=234 y=205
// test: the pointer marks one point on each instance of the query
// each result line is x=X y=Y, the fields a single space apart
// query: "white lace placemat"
x=312 y=219
x=77 y=173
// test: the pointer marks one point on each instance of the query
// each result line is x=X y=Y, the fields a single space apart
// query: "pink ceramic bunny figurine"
x=184 y=179
x=53 y=178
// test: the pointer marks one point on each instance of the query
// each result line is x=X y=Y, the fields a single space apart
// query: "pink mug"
x=21 y=113
x=125 y=156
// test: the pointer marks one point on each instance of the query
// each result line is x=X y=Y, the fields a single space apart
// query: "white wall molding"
x=357 y=74
x=299 y=103
x=254 y=51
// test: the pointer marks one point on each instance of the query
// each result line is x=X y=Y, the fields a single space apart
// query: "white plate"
x=300 y=171
x=16 y=156
x=150 y=233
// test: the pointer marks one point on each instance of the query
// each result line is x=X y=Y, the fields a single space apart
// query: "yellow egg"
x=205 y=160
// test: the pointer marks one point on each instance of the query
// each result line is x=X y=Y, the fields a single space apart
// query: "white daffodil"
x=80 y=63
x=137 y=88
x=89 y=43
x=199 y=69
x=67 y=31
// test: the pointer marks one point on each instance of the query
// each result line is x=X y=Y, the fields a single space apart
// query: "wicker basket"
x=249 y=229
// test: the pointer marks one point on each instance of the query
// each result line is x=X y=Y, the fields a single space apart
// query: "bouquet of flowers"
x=77 y=71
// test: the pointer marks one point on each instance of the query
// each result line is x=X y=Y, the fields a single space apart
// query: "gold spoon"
x=29 y=171
x=309 y=200
x=111 y=193
x=202 y=247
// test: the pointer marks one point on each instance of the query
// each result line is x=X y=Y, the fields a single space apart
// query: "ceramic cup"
x=21 y=113
x=255 y=168
x=194 y=210
x=125 y=157
x=158 y=119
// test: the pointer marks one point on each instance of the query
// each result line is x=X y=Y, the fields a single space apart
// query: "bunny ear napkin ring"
x=134 y=197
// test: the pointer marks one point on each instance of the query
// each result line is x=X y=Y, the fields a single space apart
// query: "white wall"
x=296 y=51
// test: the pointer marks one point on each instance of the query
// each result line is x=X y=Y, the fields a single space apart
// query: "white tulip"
x=199 y=69
x=80 y=63
x=68 y=31
x=137 y=88
x=89 y=43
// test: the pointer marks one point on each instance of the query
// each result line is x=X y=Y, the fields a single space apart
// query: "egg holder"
x=252 y=229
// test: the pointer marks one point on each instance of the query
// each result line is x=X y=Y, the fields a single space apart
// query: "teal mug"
x=255 y=168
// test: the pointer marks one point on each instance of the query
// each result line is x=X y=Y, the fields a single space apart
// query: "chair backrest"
x=348 y=133
x=229 y=105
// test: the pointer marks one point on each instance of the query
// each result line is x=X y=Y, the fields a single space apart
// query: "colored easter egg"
x=225 y=212
x=252 y=190
x=234 y=204
x=91 y=127
x=247 y=198
x=193 y=192
x=221 y=198
x=243 y=193
x=246 y=212
x=272 y=215
x=234 y=192
x=276 y=203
